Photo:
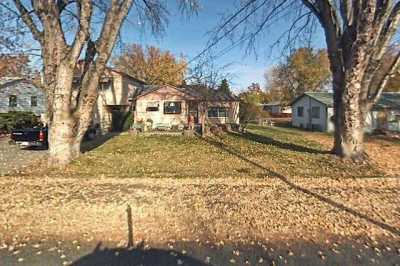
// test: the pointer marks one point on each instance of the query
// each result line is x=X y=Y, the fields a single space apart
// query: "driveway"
x=13 y=158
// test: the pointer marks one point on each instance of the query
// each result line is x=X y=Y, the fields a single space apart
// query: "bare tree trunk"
x=71 y=105
x=64 y=146
x=203 y=116
x=349 y=119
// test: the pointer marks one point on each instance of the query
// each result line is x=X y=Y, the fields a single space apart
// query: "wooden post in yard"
x=130 y=229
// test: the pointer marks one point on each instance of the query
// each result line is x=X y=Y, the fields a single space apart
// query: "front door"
x=117 y=120
x=194 y=110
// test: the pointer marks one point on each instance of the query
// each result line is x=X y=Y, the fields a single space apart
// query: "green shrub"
x=11 y=120
x=128 y=121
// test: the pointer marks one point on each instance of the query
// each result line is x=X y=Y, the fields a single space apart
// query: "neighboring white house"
x=314 y=111
x=167 y=106
x=21 y=95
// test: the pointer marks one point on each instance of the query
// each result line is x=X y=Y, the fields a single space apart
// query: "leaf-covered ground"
x=268 y=196
x=383 y=151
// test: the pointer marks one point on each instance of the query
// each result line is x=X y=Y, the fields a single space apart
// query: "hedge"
x=11 y=120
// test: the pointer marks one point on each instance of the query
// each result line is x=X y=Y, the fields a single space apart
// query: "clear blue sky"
x=190 y=36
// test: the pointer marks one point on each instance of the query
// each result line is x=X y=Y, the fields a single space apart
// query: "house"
x=21 y=95
x=168 y=107
x=116 y=90
x=314 y=110
x=276 y=108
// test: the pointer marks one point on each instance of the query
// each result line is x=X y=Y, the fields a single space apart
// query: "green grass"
x=250 y=155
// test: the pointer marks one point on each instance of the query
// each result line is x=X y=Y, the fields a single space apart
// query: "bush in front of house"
x=12 y=120
x=128 y=121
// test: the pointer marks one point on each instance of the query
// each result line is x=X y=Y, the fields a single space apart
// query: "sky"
x=188 y=37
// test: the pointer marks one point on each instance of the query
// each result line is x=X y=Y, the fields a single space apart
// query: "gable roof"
x=107 y=73
x=202 y=92
x=122 y=73
x=194 y=92
x=388 y=100
x=7 y=81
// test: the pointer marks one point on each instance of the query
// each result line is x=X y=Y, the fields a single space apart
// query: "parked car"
x=37 y=136
x=32 y=137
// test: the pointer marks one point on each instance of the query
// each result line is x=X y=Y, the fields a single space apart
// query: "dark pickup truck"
x=36 y=137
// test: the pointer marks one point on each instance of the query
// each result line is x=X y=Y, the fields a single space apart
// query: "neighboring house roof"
x=107 y=73
x=6 y=80
x=195 y=92
x=388 y=100
x=116 y=70
x=202 y=92
x=146 y=89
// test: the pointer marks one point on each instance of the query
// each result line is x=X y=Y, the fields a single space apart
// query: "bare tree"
x=205 y=76
x=207 y=73
x=357 y=33
x=68 y=31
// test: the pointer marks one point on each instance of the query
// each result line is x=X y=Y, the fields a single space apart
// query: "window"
x=300 y=111
x=172 y=107
x=152 y=107
x=12 y=101
x=217 y=112
x=105 y=85
x=315 y=110
x=34 y=101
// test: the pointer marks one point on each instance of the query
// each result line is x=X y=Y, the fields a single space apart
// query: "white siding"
x=166 y=94
x=331 y=125
x=161 y=96
x=306 y=121
x=23 y=90
x=118 y=93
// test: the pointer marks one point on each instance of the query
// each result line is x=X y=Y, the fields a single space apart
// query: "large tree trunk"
x=71 y=105
x=349 y=118
x=64 y=145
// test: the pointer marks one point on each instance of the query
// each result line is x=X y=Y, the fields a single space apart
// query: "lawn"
x=259 y=153
x=272 y=196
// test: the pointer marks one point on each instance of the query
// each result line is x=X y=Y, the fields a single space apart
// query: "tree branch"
x=104 y=45
x=85 y=13
x=26 y=17
x=373 y=98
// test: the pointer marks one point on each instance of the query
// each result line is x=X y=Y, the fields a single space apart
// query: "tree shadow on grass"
x=136 y=256
x=97 y=141
x=269 y=172
x=283 y=145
